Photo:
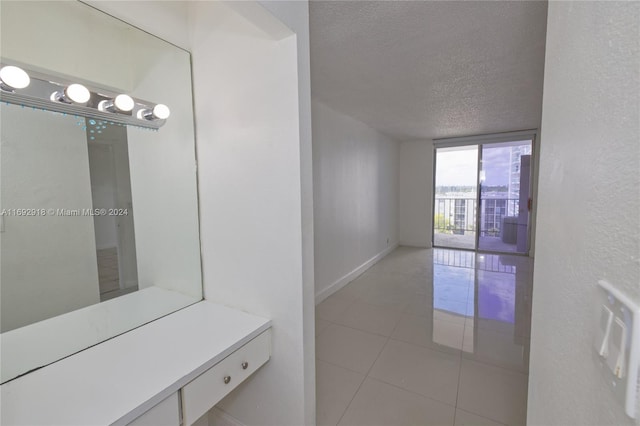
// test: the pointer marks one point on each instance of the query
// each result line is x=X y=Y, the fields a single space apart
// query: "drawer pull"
x=227 y=379
x=245 y=365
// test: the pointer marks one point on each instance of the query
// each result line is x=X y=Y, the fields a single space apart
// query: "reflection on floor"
x=109 y=276
x=427 y=337
x=468 y=241
x=496 y=244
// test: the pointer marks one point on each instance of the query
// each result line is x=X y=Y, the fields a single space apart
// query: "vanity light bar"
x=20 y=88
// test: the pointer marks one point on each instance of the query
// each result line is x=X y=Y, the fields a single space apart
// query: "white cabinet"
x=189 y=352
x=206 y=390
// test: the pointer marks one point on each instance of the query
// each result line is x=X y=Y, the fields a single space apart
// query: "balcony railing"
x=458 y=215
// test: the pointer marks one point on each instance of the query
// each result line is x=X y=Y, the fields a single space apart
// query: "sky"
x=459 y=167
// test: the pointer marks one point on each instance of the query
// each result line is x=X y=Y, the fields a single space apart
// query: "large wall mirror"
x=98 y=192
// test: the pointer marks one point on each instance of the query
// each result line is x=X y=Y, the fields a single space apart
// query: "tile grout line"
x=339 y=366
x=366 y=376
x=484 y=417
x=488 y=364
x=353 y=328
x=414 y=393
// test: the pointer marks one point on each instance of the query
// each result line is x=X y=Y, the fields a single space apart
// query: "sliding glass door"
x=456 y=193
x=504 y=197
x=482 y=196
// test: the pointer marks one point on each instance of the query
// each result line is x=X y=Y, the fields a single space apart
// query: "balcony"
x=455 y=223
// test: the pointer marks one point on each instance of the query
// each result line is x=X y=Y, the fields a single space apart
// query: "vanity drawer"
x=206 y=390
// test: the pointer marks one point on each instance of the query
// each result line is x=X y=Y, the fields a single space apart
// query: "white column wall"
x=248 y=134
x=588 y=224
x=295 y=15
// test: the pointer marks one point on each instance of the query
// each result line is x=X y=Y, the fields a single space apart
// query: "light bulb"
x=77 y=93
x=73 y=93
x=13 y=78
x=161 y=111
x=124 y=103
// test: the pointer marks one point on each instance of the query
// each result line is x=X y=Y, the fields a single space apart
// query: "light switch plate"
x=617 y=344
x=601 y=342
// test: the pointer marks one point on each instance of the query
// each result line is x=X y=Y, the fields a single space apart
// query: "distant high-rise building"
x=514 y=177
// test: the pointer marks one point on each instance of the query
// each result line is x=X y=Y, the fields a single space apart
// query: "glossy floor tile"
x=493 y=392
x=349 y=348
x=332 y=308
x=321 y=325
x=336 y=387
x=427 y=337
x=423 y=371
x=374 y=319
x=378 y=403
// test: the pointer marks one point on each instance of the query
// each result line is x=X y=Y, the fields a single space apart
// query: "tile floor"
x=427 y=337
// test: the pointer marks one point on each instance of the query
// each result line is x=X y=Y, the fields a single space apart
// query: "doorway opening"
x=111 y=192
x=482 y=194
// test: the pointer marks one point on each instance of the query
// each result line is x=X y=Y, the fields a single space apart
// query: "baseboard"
x=346 y=279
x=217 y=417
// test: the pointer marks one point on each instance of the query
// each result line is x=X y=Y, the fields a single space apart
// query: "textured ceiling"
x=426 y=69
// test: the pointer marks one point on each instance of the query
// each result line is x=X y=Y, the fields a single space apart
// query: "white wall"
x=588 y=204
x=355 y=190
x=245 y=69
x=295 y=15
x=415 y=226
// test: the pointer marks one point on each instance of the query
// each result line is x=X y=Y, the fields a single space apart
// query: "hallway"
x=427 y=336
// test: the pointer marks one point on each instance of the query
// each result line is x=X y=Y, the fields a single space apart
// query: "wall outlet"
x=617 y=344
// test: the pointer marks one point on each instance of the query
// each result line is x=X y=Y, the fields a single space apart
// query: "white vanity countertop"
x=118 y=380
x=74 y=331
